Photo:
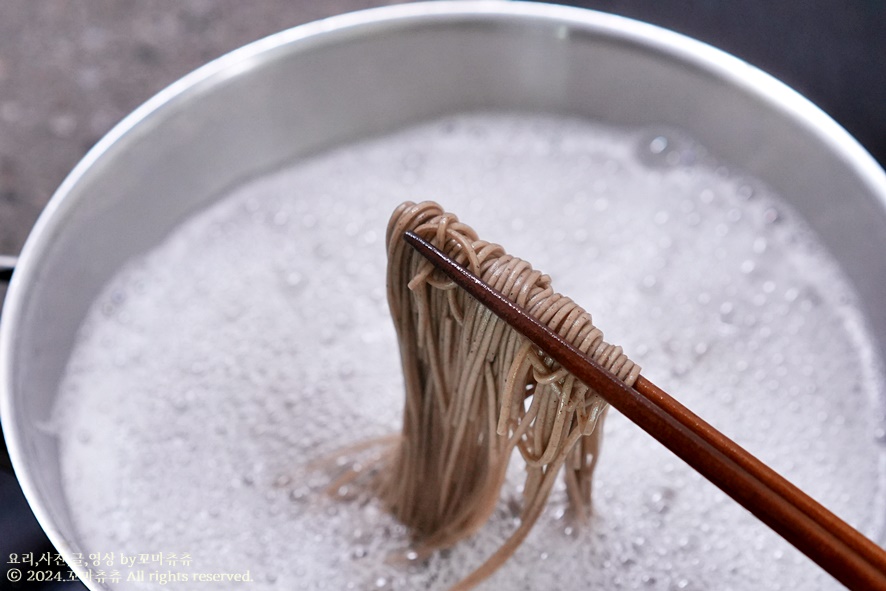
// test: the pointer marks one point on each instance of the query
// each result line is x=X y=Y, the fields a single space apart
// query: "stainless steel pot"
x=356 y=75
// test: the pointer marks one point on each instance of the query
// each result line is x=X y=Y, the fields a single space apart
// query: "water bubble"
x=299 y=494
x=294 y=278
x=771 y=216
x=673 y=158
x=666 y=151
x=648 y=283
x=308 y=221
x=745 y=192
x=281 y=218
x=251 y=205
x=679 y=369
x=660 y=500
x=359 y=552
x=658 y=144
x=412 y=160
x=727 y=312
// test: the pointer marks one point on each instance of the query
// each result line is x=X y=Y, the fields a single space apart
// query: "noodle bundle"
x=476 y=390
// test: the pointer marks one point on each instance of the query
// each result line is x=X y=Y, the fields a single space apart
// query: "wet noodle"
x=476 y=390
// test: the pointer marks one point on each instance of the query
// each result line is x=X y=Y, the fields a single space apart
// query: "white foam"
x=257 y=338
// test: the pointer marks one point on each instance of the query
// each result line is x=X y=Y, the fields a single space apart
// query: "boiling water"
x=257 y=339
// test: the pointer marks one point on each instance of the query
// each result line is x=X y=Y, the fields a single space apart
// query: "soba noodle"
x=476 y=390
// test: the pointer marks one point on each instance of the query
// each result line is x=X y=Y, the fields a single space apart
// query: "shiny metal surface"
x=367 y=73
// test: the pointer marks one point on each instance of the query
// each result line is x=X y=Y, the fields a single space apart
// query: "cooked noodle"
x=476 y=390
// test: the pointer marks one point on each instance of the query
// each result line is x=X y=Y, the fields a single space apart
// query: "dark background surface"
x=70 y=70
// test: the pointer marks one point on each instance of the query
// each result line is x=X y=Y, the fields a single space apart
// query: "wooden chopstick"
x=766 y=475
x=834 y=545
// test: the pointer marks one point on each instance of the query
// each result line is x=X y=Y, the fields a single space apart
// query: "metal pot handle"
x=7 y=266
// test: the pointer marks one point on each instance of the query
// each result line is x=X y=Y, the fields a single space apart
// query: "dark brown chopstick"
x=839 y=549
x=849 y=535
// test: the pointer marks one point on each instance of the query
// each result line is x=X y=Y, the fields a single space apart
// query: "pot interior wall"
x=294 y=95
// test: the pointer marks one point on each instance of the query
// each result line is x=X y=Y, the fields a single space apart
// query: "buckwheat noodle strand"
x=476 y=390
